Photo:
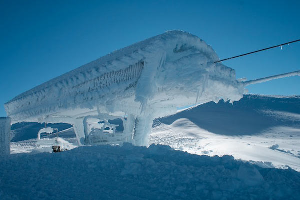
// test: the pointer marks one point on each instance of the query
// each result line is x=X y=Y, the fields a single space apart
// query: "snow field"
x=263 y=130
x=260 y=129
x=130 y=172
x=186 y=136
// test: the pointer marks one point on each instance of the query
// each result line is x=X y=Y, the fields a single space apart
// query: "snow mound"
x=251 y=115
x=130 y=172
x=256 y=128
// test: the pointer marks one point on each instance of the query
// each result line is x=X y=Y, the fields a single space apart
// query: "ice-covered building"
x=116 y=97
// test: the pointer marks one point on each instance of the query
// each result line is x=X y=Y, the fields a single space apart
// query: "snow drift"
x=256 y=128
x=130 y=172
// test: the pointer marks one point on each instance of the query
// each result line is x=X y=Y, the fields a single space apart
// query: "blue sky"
x=41 y=39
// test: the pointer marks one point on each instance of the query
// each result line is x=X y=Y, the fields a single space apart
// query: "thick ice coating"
x=132 y=86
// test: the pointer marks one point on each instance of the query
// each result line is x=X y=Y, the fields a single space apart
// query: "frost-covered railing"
x=265 y=79
x=89 y=89
x=108 y=79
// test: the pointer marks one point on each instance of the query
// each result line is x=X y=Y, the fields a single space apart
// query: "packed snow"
x=132 y=172
x=260 y=133
x=256 y=128
x=260 y=129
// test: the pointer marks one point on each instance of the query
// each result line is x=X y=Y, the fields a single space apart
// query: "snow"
x=256 y=128
x=261 y=80
x=29 y=130
x=48 y=130
x=131 y=172
x=249 y=129
x=245 y=150
x=4 y=136
x=283 y=115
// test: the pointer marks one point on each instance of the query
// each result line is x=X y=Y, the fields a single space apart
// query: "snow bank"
x=129 y=172
x=257 y=128
x=251 y=115
x=4 y=136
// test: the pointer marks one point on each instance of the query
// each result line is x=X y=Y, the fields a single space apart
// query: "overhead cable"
x=279 y=45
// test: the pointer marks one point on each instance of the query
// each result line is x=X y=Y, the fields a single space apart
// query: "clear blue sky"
x=42 y=39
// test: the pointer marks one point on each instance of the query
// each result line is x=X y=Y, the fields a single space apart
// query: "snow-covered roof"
x=134 y=73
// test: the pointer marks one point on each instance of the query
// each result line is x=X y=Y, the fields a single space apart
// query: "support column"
x=79 y=131
x=5 y=136
x=142 y=130
x=129 y=124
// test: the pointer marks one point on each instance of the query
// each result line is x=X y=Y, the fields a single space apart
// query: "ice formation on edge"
x=132 y=86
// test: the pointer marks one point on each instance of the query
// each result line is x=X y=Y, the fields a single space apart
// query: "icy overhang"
x=163 y=72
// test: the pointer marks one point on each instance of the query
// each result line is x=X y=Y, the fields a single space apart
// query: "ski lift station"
x=115 y=98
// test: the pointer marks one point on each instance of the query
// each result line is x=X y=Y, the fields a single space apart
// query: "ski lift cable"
x=279 y=45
